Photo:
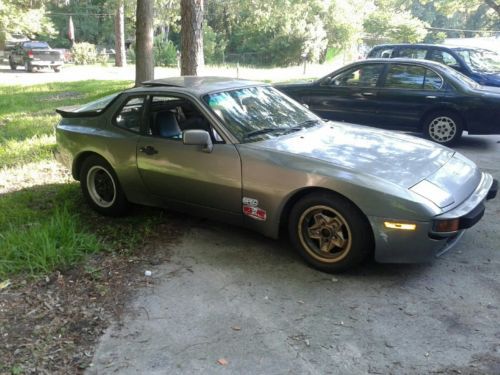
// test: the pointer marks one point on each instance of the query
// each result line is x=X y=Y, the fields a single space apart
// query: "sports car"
x=244 y=153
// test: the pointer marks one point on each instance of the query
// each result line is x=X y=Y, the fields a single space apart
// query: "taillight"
x=30 y=54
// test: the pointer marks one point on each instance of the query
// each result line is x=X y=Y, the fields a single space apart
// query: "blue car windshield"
x=255 y=113
x=481 y=61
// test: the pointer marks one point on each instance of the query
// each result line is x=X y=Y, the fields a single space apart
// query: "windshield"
x=36 y=45
x=98 y=105
x=481 y=61
x=462 y=77
x=256 y=113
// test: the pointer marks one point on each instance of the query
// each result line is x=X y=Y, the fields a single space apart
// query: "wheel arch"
x=80 y=159
x=430 y=111
x=297 y=195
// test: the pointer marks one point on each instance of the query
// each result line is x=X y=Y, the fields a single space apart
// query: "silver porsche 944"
x=244 y=153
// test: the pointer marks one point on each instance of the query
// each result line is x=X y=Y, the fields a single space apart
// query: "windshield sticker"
x=255 y=212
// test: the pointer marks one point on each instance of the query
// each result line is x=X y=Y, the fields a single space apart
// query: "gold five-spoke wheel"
x=325 y=233
x=330 y=232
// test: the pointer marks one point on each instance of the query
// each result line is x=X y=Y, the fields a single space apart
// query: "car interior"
x=169 y=117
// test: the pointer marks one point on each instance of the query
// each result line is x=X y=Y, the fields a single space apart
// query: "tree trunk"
x=191 y=36
x=144 y=66
x=120 y=58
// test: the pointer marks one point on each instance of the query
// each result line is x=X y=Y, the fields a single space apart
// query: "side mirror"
x=199 y=138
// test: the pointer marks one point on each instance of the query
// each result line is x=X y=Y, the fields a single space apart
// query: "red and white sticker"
x=255 y=212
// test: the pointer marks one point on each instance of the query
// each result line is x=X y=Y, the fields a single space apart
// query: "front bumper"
x=423 y=244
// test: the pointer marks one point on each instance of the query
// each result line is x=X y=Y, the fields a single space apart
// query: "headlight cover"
x=435 y=194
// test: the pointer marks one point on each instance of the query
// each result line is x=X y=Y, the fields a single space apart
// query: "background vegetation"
x=259 y=32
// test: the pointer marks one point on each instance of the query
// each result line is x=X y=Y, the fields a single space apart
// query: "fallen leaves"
x=222 y=362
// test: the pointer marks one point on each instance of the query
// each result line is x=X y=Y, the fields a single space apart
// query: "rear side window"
x=412 y=77
x=364 y=76
x=130 y=115
x=382 y=52
x=412 y=53
x=433 y=81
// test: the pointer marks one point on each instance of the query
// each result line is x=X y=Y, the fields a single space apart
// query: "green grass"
x=40 y=239
x=28 y=118
x=48 y=227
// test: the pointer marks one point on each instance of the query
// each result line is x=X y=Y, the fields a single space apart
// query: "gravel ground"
x=230 y=301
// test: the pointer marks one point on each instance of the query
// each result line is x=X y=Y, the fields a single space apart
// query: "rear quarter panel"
x=79 y=137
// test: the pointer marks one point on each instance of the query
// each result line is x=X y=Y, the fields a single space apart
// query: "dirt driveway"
x=231 y=301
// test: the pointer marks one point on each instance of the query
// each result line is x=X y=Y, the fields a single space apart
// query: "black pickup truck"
x=33 y=55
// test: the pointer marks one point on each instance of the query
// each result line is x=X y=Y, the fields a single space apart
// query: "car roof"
x=426 y=45
x=405 y=60
x=199 y=85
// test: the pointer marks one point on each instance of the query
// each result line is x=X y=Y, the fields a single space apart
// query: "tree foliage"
x=22 y=17
x=384 y=25
x=263 y=32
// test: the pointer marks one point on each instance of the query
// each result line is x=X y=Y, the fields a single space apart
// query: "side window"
x=413 y=53
x=129 y=117
x=170 y=116
x=443 y=58
x=432 y=80
x=405 y=77
x=364 y=76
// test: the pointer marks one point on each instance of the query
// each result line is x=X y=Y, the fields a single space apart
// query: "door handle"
x=431 y=97
x=368 y=93
x=148 y=150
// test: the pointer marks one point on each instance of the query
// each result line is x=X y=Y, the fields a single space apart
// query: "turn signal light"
x=451 y=225
x=30 y=54
x=402 y=226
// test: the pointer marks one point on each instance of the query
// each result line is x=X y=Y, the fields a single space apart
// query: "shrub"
x=84 y=53
x=103 y=58
x=165 y=52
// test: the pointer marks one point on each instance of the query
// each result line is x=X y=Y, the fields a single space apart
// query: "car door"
x=350 y=95
x=405 y=94
x=186 y=174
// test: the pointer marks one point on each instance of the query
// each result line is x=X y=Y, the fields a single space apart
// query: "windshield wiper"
x=262 y=131
x=303 y=125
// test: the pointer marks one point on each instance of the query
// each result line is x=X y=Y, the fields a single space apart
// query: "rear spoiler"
x=72 y=112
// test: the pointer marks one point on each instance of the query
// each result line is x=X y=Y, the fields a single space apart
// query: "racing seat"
x=166 y=125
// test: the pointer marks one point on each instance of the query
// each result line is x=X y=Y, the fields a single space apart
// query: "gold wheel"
x=325 y=234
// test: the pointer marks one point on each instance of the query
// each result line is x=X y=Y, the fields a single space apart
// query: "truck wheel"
x=13 y=66
x=28 y=67
x=57 y=69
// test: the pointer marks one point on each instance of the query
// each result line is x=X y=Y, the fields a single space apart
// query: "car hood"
x=397 y=158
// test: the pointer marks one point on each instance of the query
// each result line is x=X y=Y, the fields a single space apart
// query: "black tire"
x=57 y=69
x=443 y=127
x=330 y=221
x=13 y=66
x=101 y=188
x=28 y=67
